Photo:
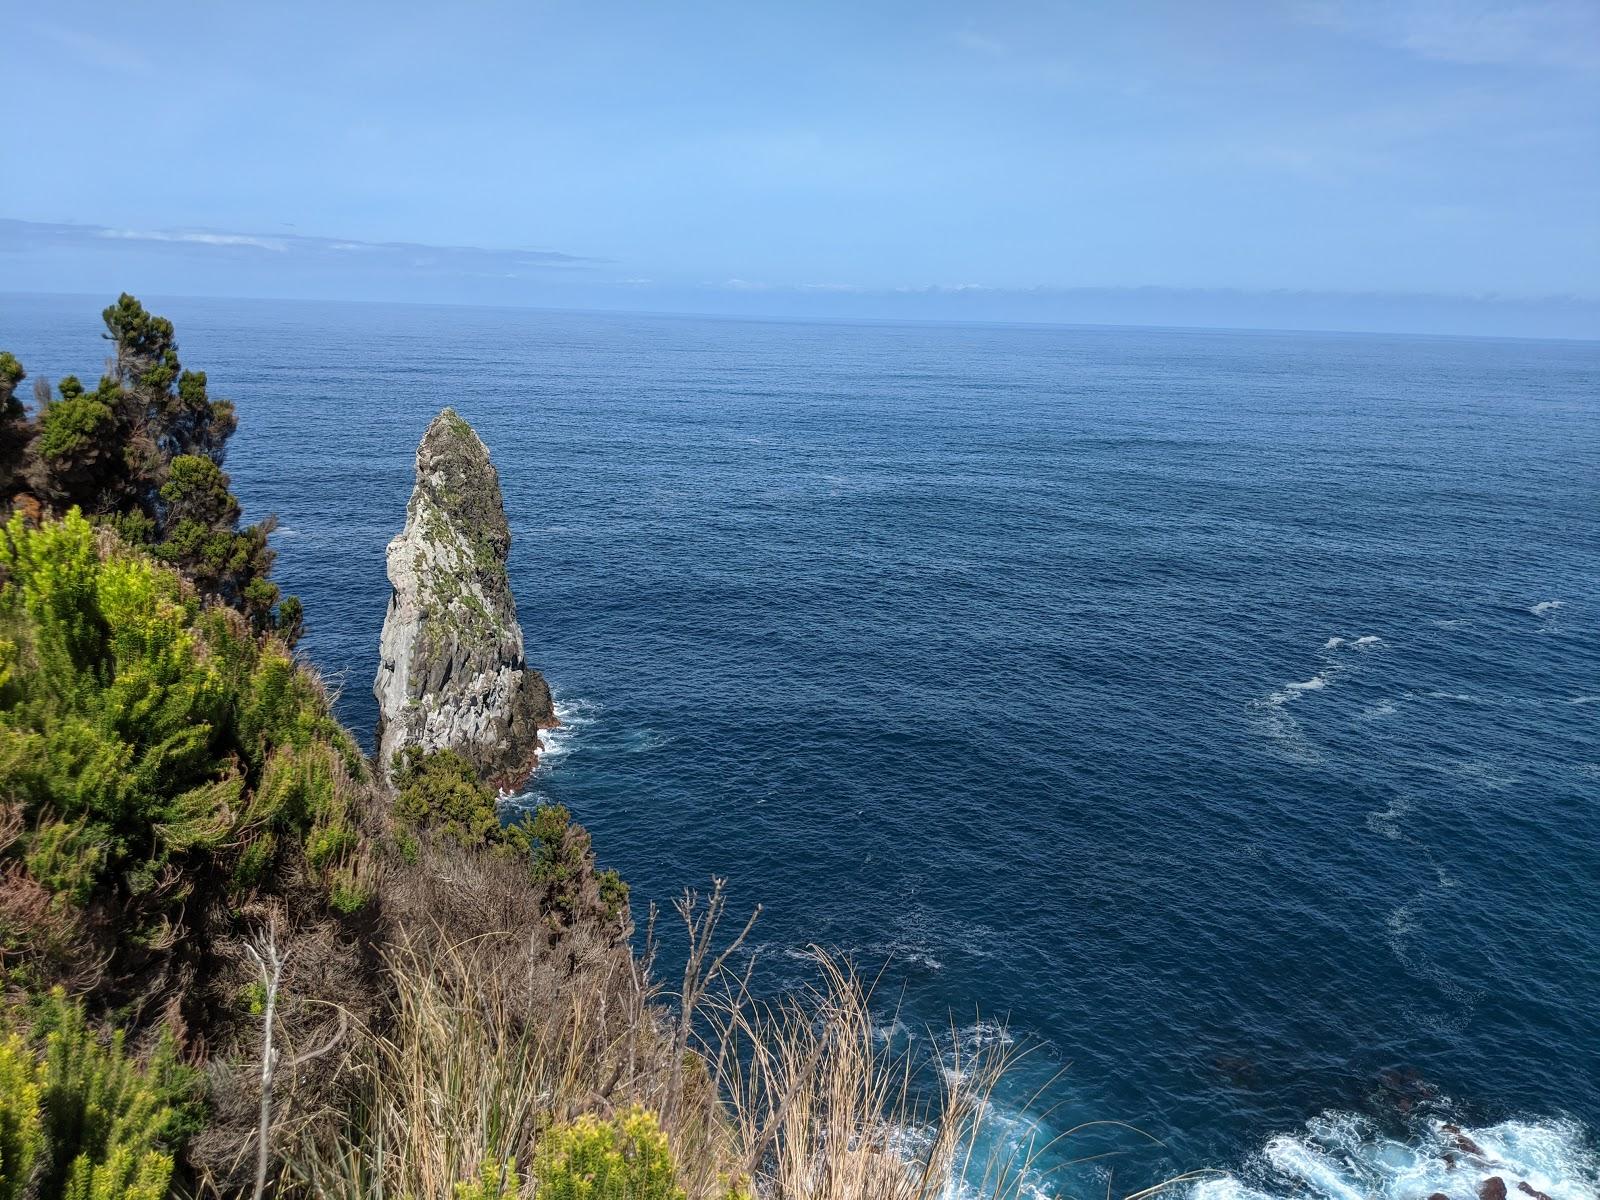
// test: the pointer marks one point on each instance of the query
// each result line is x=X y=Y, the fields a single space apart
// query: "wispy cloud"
x=1549 y=33
x=91 y=50
x=18 y=236
x=277 y=245
x=980 y=43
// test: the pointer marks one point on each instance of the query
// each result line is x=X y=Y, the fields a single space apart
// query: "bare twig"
x=269 y=960
x=337 y=1036
x=701 y=926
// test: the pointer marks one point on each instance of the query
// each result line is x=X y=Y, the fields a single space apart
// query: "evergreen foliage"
x=21 y=1115
x=14 y=432
x=623 y=1159
x=439 y=792
x=143 y=453
x=82 y=1119
x=154 y=745
x=495 y=1181
x=563 y=862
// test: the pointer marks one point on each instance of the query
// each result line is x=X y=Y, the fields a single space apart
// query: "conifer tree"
x=143 y=453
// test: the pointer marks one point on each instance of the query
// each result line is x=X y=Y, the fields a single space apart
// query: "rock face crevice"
x=451 y=671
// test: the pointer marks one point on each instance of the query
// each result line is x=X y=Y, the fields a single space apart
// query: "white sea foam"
x=1364 y=642
x=1007 y=1141
x=1293 y=691
x=1545 y=607
x=1388 y=821
x=893 y=1031
x=1281 y=726
x=1340 y=1156
x=980 y=1034
x=1315 y=684
x=1336 y=666
x=555 y=744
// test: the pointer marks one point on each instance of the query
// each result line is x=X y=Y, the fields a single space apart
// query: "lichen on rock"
x=451 y=670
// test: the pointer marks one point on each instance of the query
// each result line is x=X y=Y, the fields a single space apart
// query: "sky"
x=1410 y=164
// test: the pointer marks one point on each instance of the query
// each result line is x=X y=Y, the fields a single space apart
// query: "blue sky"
x=1428 y=164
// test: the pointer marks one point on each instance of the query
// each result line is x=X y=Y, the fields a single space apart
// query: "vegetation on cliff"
x=156 y=757
x=237 y=961
x=142 y=453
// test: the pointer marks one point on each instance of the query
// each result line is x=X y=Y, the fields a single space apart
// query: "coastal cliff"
x=451 y=671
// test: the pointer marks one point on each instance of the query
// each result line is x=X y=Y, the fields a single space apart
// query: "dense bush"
x=14 y=432
x=438 y=792
x=21 y=1115
x=623 y=1159
x=80 y=1118
x=149 y=744
x=563 y=865
x=142 y=453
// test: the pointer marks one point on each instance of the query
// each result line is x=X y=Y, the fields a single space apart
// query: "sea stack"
x=451 y=672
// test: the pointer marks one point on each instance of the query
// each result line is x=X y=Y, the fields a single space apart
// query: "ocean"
x=1216 y=715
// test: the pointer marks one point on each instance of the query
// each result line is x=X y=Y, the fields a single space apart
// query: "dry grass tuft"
x=496 y=1037
x=824 y=1108
x=498 y=1033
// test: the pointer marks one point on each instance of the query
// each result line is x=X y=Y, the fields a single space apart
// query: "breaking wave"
x=1279 y=723
x=575 y=716
x=1342 y=1156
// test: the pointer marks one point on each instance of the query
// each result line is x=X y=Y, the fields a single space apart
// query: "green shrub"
x=21 y=1115
x=440 y=792
x=495 y=1181
x=347 y=894
x=614 y=894
x=149 y=742
x=623 y=1159
x=562 y=856
x=142 y=453
x=98 y=1124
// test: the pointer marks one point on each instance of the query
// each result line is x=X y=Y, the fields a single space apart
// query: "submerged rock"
x=451 y=672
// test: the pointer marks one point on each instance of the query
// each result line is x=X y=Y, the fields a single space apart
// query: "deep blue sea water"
x=1219 y=710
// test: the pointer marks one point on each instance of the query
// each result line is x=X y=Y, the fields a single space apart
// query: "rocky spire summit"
x=451 y=672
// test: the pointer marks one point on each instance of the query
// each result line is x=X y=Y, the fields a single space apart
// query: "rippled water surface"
x=1220 y=710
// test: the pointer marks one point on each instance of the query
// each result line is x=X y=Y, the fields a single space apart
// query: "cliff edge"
x=451 y=672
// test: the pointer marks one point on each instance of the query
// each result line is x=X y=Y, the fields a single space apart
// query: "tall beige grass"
x=826 y=1108
x=491 y=1041
x=497 y=1037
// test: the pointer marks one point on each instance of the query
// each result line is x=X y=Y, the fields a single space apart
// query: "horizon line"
x=956 y=322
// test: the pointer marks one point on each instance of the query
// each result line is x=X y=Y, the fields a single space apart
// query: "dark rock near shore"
x=1463 y=1143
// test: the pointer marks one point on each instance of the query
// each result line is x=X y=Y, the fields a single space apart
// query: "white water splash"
x=1279 y=723
x=1341 y=1156
x=575 y=716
